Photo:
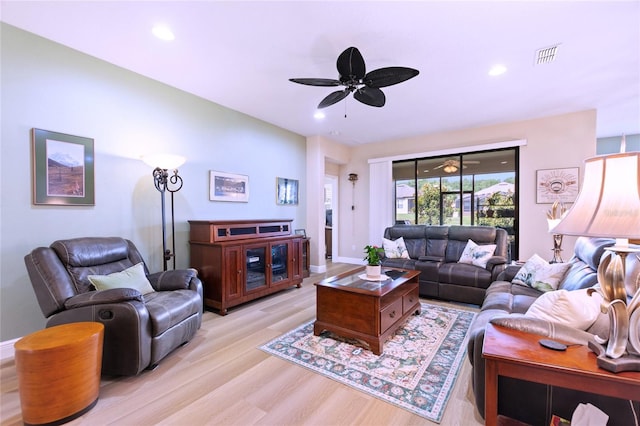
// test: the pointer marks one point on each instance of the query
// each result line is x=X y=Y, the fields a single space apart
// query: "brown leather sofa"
x=139 y=330
x=435 y=250
x=529 y=402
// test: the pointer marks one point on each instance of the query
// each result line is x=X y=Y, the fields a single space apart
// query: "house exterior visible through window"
x=476 y=188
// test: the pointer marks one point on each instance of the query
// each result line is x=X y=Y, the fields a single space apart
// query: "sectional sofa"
x=435 y=251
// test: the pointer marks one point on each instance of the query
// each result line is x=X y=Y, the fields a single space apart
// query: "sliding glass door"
x=477 y=188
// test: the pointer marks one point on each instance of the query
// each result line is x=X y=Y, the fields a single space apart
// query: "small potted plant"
x=373 y=259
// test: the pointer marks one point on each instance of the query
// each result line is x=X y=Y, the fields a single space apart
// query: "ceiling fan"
x=365 y=86
x=452 y=166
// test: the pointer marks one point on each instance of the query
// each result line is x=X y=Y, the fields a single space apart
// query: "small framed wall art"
x=557 y=184
x=286 y=191
x=63 y=169
x=228 y=187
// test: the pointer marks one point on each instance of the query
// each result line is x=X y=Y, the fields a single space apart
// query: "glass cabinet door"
x=256 y=258
x=279 y=263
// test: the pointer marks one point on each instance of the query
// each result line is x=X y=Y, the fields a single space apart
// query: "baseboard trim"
x=6 y=349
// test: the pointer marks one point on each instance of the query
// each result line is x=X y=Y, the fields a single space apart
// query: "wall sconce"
x=166 y=183
x=353 y=178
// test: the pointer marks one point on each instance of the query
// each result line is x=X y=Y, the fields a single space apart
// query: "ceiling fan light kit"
x=353 y=76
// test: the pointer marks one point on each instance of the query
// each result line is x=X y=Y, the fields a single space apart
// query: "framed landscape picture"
x=286 y=191
x=63 y=169
x=557 y=184
x=228 y=187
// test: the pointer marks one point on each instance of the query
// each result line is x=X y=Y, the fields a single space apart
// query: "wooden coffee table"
x=370 y=311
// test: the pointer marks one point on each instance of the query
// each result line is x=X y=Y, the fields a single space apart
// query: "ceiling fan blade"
x=370 y=96
x=351 y=65
x=316 y=81
x=438 y=167
x=333 y=97
x=389 y=76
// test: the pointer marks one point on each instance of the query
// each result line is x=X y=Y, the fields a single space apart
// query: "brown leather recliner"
x=139 y=330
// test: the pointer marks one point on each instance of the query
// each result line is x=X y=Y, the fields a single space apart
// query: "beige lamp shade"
x=164 y=161
x=609 y=202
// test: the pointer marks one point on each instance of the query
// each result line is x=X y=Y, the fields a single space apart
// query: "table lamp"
x=609 y=206
x=554 y=216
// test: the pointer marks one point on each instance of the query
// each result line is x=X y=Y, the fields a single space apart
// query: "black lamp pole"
x=164 y=183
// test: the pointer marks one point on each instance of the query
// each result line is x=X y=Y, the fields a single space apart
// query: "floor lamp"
x=609 y=206
x=164 y=182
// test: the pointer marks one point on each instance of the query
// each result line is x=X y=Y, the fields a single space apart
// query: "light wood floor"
x=221 y=378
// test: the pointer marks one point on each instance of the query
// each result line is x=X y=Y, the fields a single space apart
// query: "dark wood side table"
x=512 y=353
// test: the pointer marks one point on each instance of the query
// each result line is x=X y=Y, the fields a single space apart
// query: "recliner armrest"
x=509 y=273
x=496 y=265
x=494 y=261
x=179 y=279
x=103 y=297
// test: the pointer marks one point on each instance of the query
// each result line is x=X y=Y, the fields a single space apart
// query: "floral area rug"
x=416 y=371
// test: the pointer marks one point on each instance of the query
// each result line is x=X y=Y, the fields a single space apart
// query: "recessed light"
x=163 y=32
x=319 y=115
x=497 y=69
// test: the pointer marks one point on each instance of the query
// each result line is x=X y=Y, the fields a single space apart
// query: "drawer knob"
x=392 y=314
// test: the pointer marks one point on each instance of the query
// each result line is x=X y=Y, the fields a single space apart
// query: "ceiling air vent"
x=546 y=54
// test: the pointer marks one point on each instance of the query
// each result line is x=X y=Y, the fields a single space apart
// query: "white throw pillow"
x=395 y=249
x=539 y=274
x=575 y=309
x=477 y=255
x=133 y=277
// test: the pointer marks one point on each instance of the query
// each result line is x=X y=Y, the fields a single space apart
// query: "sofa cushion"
x=464 y=274
x=400 y=262
x=576 y=309
x=169 y=308
x=394 y=249
x=476 y=254
x=584 y=263
x=437 y=238
x=133 y=277
x=509 y=298
x=538 y=273
x=416 y=247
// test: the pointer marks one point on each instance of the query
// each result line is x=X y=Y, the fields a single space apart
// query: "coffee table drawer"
x=410 y=300
x=390 y=314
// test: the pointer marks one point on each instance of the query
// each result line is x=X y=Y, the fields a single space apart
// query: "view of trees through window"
x=466 y=189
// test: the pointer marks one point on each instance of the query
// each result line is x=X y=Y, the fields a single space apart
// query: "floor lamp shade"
x=164 y=161
x=609 y=202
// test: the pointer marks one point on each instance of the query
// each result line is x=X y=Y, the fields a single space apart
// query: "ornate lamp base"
x=626 y=362
x=557 y=249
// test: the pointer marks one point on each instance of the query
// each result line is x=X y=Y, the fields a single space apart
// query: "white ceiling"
x=241 y=54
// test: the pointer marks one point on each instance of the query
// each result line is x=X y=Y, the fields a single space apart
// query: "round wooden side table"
x=59 y=372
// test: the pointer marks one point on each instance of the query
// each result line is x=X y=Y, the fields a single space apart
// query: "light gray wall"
x=51 y=87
